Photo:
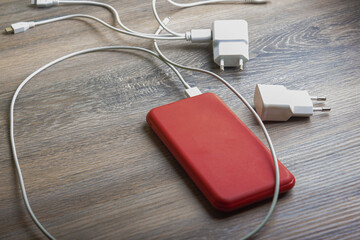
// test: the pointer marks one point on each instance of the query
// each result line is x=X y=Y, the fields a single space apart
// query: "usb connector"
x=44 y=3
x=192 y=92
x=19 y=27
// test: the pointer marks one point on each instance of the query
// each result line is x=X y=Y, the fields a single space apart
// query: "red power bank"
x=227 y=162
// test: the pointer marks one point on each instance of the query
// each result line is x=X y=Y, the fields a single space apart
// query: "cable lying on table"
x=12 y=139
x=186 y=86
x=229 y=37
x=23 y=26
x=50 y=3
x=253 y=112
x=185 y=5
x=193 y=4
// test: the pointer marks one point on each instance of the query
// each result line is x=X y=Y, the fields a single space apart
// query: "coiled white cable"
x=162 y=24
x=108 y=26
x=258 y=119
x=185 y=5
x=12 y=106
x=111 y=9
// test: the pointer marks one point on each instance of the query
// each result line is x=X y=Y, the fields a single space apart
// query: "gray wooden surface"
x=95 y=170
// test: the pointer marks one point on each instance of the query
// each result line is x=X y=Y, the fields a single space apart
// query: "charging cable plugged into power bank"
x=230 y=49
x=229 y=37
x=191 y=92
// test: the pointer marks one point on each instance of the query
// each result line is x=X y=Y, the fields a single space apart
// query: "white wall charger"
x=230 y=43
x=277 y=103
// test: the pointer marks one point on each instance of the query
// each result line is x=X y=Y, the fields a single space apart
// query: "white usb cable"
x=186 y=86
x=50 y=3
x=229 y=37
x=12 y=106
x=161 y=23
x=23 y=26
x=184 y=5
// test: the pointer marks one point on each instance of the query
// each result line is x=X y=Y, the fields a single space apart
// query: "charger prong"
x=322 y=109
x=222 y=65
x=241 y=64
x=316 y=98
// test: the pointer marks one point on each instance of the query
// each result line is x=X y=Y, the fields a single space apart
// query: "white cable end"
x=192 y=92
x=166 y=20
x=44 y=3
x=19 y=27
x=199 y=35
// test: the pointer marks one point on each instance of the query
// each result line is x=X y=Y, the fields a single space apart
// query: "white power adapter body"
x=277 y=103
x=230 y=43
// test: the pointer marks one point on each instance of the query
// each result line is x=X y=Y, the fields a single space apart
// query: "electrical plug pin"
x=241 y=64
x=222 y=65
x=321 y=109
x=316 y=98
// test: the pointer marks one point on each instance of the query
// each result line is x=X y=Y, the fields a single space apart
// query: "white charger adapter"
x=277 y=103
x=230 y=40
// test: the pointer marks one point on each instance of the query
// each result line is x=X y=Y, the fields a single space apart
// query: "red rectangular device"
x=227 y=162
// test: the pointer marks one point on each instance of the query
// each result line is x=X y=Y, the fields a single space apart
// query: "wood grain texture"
x=95 y=170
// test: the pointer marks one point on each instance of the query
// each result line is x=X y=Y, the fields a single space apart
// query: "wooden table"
x=95 y=170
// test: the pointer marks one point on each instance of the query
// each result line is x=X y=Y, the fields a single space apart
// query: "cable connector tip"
x=192 y=92
x=166 y=20
x=19 y=27
x=44 y=3
x=9 y=30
